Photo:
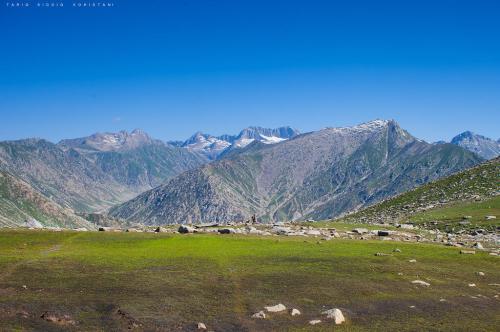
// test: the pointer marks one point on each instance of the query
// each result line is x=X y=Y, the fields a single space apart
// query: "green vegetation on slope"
x=473 y=193
x=110 y=281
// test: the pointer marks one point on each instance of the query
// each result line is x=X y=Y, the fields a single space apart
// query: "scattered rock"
x=360 y=230
x=295 y=312
x=467 y=217
x=421 y=283
x=412 y=261
x=276 y=308
x=472 y=285
x=59 y=320
x=442 y=300
x=131 y=321
x=202 y=326
x=314 y=321
x=490 y=217
x=480 y=273
x=478 y=245
x=226 y=231
x=467 y=252
x=261 y=315
x=184 y=229
x=382 y=254
x=397 y=250
x=23 y=314
x=335 y=314
x=406 y=226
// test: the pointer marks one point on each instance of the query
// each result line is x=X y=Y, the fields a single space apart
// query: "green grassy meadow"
x=454 y=213
x=160 y=282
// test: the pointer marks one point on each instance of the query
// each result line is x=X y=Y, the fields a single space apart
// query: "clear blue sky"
x=172 y=67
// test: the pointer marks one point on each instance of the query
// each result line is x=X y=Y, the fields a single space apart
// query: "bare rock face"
x=483 y=146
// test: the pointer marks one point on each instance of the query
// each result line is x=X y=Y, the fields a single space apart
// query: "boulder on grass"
x=276 y=308
x=184 y=229
x=260 y=315
x=335 y=314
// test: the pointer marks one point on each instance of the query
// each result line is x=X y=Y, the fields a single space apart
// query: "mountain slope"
x=320 y=175
x=483 y=146
x=212 y=146
x=19 y=202
x=467 y=189
x=94 y=176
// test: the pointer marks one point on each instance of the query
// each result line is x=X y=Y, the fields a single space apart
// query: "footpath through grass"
x=114 y=281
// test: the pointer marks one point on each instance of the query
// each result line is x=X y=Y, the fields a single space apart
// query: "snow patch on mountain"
x=213 y=146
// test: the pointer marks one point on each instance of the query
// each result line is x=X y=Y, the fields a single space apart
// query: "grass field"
x=114 y=281
x=454 y=213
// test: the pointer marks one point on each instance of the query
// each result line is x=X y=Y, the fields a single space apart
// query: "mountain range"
x=96 y=172
x=482 y=146
x=320 y=175
x=214 y=146
x=276 y=174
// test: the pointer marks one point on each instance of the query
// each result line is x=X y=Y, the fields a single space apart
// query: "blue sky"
x=175 y=67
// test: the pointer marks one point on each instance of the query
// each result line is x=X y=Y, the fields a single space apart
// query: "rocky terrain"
x=214 y=146
x=474 y=185
x=482 y=146
x=94 y=173
x=22 y=205
x=317 y=175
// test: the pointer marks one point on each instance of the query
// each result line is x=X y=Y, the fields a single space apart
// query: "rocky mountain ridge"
x=316 y=175
x=92 y=174
x=483 y=146
x=214 y=146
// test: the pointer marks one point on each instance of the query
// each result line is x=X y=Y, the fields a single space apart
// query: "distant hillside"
x=483 y=146
x=19 y=203
x=213 y=147
x=451 y=198
x=316 y=175
x=93 y=173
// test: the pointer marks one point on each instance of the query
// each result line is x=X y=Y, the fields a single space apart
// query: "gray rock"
x=184 y=229
x=276 y=308
x=260 y=315
x=335 y=314
x=360 y=230
x=227 y=230
x=478 y=245
x=421 y=283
